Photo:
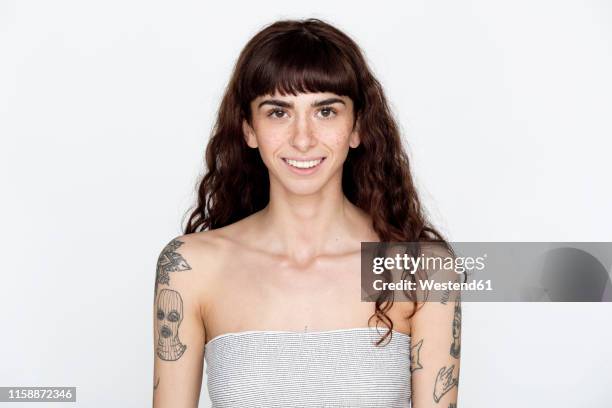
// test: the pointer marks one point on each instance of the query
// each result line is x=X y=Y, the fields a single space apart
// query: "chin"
x=303 y=189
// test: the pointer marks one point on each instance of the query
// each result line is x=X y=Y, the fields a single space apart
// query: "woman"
x=305 y=163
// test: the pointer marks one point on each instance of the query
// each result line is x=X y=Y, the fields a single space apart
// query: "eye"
x=274 y=113
x=173 y=316
x=328 y=112
x=160 y=314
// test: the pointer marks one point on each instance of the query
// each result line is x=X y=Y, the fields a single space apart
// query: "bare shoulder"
x=191 y=262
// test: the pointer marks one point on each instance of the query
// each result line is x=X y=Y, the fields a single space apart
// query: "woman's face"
x=304 y=139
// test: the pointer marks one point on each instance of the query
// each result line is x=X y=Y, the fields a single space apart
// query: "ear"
x=354 y=139
x=249 y=134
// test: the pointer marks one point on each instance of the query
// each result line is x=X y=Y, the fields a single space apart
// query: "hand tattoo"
x=444 y=382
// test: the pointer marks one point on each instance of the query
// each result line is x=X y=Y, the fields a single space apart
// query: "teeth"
x=303 y=164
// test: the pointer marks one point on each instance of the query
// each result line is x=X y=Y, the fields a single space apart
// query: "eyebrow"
x=278 y=102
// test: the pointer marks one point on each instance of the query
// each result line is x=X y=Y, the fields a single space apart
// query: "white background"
x=106 y=108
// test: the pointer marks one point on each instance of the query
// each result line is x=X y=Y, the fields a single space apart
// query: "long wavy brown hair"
x=297 y=56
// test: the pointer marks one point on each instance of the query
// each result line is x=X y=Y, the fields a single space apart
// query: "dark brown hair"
x=296 y=56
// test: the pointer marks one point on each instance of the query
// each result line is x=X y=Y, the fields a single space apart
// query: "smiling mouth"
x=304 y=164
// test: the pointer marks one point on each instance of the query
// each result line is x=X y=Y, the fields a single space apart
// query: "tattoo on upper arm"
x=415 y=354
x=169 y=317
x=452 y=405
x=455 y=348
x=444 y=382
x=169 y=261
x=445 y=296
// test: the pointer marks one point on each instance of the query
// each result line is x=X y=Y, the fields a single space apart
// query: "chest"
x=255 y=292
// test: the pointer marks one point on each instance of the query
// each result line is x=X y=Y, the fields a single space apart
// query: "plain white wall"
x=106 y=107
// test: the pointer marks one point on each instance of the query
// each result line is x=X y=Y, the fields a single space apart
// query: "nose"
x=302 y=137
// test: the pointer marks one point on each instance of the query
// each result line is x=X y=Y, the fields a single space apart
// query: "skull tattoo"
x=169 y=317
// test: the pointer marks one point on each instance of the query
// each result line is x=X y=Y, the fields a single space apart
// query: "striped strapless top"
x=335 y=368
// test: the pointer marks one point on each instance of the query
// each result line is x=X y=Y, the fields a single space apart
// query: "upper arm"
x=436 y=347
x=178 y=328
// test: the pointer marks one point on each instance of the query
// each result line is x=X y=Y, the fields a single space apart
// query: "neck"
x=304 y=226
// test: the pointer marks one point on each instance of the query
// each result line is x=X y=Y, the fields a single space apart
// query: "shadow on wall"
x=569 y=275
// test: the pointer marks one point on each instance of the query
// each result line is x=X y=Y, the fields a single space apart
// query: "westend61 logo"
x=428 y=263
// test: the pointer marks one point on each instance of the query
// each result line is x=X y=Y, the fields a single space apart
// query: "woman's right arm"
x=179 y=333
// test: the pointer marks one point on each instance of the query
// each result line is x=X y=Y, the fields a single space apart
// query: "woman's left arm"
x=435 y=352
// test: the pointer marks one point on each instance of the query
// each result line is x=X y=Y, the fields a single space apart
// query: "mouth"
x=165 y=332
x=304 y=166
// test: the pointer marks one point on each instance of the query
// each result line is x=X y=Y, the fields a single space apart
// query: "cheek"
x=336 y=136
x=341 y=141
x=336 y=141
x=269 y=142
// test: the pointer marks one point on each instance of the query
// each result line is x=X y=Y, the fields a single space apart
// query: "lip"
x=303 y=172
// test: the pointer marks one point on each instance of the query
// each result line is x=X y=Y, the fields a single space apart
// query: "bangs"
x=297 y=62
